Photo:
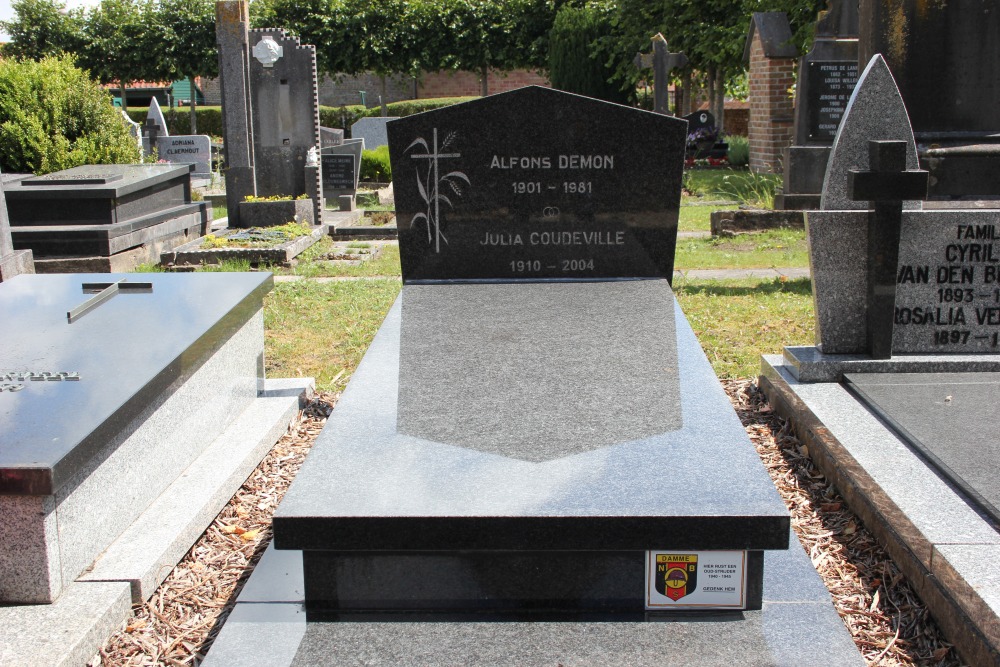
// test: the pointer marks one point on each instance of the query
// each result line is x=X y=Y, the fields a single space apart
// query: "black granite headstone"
x=338 y=172
x=831 y=85
x=537 y=183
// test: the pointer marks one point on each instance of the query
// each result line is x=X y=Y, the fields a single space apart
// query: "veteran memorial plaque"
x=536 y=183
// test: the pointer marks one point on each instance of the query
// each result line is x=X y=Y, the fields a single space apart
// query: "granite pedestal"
x=104 y=217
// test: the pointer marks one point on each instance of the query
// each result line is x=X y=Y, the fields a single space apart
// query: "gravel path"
x=888 y=622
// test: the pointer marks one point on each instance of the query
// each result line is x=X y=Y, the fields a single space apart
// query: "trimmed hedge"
x=210 y=117
x=375 y=165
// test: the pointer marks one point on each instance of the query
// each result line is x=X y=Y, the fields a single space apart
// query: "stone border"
x=190 y=254
x=956 y=606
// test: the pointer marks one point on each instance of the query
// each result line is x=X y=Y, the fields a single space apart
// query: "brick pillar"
x=771 y=107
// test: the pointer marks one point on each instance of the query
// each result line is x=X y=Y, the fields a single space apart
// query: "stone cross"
x=886 y=186
x=663 y=63
x=153 y=132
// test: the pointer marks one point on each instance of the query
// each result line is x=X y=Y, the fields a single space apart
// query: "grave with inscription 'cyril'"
x=534 y=463
x=897 y=396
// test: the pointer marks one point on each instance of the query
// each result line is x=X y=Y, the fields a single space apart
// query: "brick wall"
x=771 y=116
x=344 y=90
x=462 y=84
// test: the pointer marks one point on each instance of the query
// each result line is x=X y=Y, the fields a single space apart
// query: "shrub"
x=53 y=117
x=576 y=61
x=739 y=151
x=179 y=119
x=375 y=165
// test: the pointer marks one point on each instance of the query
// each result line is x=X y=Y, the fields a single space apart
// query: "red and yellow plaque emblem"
x=676 y=575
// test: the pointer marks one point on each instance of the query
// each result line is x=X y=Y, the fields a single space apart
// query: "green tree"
x=577 y=61
x=122 y=42
x=53 y=116
x=188 y=42
x=42 y=28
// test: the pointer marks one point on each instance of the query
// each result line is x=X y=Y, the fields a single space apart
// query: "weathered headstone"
x=372 y=130
x=232 y=23
x=193 y=149
x=546 y=203
x=826 y=77
x=330 y=136
x=663 y=63
x=285 y=112
x=12 y=262
x=946 y=59
x=341 y=168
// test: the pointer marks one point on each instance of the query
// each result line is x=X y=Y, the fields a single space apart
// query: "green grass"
x=738 y=320
x=219 y=211
x=322 y=330
x=386 y=264
x=706 y=182
x=698 y=218
x=778 y=249
x=740 y=185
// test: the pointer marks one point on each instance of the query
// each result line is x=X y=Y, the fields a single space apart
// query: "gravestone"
x=330 y=136
x=702 y=139
x=663 y=63
x=104 y=217
x=341 y=168
x=134 y=406
x=534 y=439
x=892 y=400
x=826 y=78
x=560 y=212
x=372 y=130
x=284 y=112
x=946 y=59
x=156 y=126
x=12 y=263
x=193 y=149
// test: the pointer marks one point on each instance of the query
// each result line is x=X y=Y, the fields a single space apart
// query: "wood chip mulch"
x=889 y=624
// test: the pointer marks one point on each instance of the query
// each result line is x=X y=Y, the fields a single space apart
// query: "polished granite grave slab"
x=110 y=387
x=474 y=424
x=796 y=618
x=948 y=419
x=126 y=350
x=537 y=183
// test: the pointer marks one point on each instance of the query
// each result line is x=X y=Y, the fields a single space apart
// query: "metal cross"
x=435 y=156
x=103 y=292
x=886 y=186
x=663 y=63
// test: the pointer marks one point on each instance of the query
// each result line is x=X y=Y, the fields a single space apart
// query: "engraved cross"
x=435 y=156
x=103 y=292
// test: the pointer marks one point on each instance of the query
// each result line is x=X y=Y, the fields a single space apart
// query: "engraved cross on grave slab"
x=886 y=186
x=663 y=63
x=103 y=292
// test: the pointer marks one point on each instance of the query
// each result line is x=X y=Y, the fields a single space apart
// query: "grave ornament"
x=663 y=63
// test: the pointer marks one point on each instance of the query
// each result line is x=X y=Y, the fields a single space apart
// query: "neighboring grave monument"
x=12 y=262
x=895 y=402
x=534 y=440
x=372 y=130
x=826 y=78
x=946 y=59
x=194 y=149
x=663 y=63
x=104 y=218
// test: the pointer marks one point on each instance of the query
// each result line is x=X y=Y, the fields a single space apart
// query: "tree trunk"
x=720 y=100
x=381 y=99
x=194 y=106
x=686 y=91
x=121 y=91
x=484 y=74
x=711 y=91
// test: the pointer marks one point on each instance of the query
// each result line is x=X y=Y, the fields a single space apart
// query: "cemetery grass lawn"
x=777 y=249
x=698 y=218
x=705 y=183
x=386 y=264
x=322 y=329
x=736 y=321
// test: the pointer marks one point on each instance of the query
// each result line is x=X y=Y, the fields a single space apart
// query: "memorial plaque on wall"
x=537 y=183
x=338 y=172
x=948 y=283
x=830 y=86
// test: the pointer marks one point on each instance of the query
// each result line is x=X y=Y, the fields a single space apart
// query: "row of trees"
x=121 y=41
